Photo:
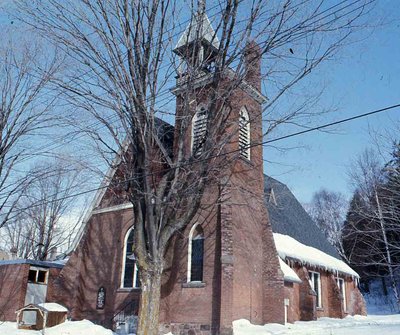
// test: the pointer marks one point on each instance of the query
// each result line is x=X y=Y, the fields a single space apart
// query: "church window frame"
x=315 y=283
x=244 y=133
x=125 y=257
x=342 y=289
x=199 y=129
x=197 y=277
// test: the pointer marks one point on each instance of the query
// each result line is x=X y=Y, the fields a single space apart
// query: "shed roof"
x=44 y=264
x=46 y=307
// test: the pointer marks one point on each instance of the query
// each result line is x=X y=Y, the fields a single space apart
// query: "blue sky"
x=364 y=77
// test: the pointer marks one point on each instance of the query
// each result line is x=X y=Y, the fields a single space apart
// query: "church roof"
x=199 y=27
x=288 y=247
x=288 y=217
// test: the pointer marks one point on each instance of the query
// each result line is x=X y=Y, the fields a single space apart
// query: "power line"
x=163 y=92
x=263 y=143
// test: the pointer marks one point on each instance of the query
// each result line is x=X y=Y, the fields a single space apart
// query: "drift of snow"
x=53 y=307
x=288 y=247
x=288 y=273
x=83 y=327
x=351 y=325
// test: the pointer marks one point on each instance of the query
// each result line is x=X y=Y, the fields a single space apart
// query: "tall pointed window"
x=130 y=275
x=244 y=134
x=195 y=254
x=199 y=130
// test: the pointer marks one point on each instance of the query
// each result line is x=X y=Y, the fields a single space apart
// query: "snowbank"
x=288 y=247
x=365 y=325
x=83 y=327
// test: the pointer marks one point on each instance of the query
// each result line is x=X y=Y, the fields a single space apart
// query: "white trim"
x=338 y=280
x=99 y=195
x=135 y=271
x=319 y=293
x=112 y=208
x=204 y=79
x=189 y=269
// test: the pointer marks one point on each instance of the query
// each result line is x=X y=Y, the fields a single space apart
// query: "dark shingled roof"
x=288 y=217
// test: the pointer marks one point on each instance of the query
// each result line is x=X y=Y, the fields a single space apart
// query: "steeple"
x=199 y=43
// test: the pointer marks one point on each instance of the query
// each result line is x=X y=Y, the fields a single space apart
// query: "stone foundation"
x=185 y=329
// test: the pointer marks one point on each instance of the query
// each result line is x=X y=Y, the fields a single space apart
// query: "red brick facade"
x=302 y=298
x=241 y=276
x=14 y=284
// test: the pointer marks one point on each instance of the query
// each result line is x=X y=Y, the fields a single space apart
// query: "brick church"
x=256 y=256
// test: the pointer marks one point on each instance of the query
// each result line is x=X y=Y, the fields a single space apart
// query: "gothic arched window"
x=130 y=275
x=244 y=134
x=199 y=130
x=195 y=254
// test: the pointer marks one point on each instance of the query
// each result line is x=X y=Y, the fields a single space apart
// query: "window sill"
x=319 y=309
x=194 y=284
x=128 y=289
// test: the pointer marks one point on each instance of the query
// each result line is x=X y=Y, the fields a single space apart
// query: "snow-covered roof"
x=201 y=28
x=46 y=306
x=288 y=217
x=52 y=307
x=288 y=273
x=288 y=247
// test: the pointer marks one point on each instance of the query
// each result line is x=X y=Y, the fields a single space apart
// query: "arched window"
x=130 y=275
x=195 y=254
x=244 y=134
x=199 y=130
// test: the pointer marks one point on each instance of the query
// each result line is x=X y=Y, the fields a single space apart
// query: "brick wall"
x=13 y=285
x=97 y=262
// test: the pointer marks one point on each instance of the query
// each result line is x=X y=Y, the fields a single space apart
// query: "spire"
x=198 y=30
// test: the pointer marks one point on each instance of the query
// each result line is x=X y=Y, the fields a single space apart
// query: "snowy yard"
x=358 y=325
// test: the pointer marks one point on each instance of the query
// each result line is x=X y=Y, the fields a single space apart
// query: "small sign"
x=101 y=298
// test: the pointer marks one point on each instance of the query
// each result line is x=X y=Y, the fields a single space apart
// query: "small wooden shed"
x=40 y=316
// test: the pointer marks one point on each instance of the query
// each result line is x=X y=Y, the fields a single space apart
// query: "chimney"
x=13 y=252
x=53 y=253
x=252 y=63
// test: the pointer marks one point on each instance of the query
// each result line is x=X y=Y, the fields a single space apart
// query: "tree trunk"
x=393 y=280
x=149 y=309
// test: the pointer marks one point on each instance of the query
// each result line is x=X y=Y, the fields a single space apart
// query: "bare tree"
x=372 y=231
x=124 y=65
x=24 y=111
x=38 y=230
x=328 y=210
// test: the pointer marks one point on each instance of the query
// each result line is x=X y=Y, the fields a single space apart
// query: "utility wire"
x=263 y=143
x=166 y=91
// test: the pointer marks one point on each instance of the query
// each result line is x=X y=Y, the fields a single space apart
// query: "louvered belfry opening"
x=199 y=131
x=244 y=134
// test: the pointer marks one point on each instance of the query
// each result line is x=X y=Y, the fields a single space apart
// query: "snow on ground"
x=357 y=325
x=83 y=327
x=377 y=302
